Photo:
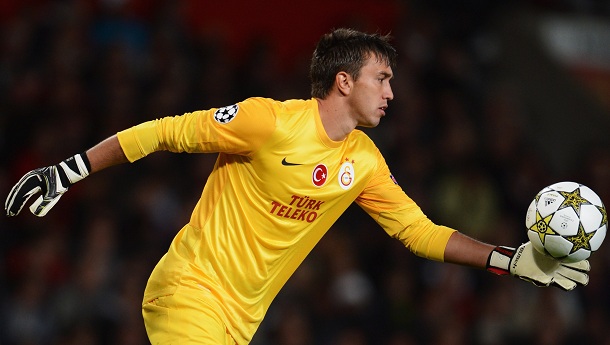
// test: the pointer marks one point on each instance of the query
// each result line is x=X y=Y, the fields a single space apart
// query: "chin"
x=371 y=122
x=375 y=122
x=369 y=125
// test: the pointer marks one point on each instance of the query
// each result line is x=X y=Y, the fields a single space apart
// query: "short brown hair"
x=346 y=50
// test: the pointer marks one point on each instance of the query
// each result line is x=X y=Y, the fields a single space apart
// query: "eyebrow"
x=386 y=74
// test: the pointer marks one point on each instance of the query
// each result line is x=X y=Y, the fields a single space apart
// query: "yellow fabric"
x=184 y=318
x=259 y=216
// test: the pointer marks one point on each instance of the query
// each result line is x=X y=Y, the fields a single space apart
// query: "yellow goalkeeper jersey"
x=278 y=185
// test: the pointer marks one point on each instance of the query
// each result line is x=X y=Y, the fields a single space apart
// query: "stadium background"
x=493 y=101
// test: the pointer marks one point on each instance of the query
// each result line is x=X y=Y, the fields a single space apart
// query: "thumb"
x=42 y=206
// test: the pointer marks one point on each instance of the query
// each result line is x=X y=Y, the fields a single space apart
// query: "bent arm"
x=105 y=154
x=464 y=250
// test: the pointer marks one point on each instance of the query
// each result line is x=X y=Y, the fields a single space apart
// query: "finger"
x=10 y=200
x=582 y=266
x=21 y=193
x=540 y=281
x=564 y=283
x=574 y=275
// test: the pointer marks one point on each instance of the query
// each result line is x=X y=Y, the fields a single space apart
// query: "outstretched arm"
x=467 y=251
x=524 y=262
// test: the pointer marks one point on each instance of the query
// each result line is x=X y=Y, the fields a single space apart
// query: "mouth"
x=383 y=109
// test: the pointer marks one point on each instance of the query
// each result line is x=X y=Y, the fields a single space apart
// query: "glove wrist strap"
x=499 y=260
x=74 y=169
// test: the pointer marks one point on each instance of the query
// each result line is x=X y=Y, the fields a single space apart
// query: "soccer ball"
x=567 y=221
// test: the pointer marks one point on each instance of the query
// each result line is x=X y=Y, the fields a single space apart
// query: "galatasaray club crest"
x=346 y=175
x=319 y=175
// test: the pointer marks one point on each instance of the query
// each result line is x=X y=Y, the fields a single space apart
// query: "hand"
x=541 y=270
x=52 y=182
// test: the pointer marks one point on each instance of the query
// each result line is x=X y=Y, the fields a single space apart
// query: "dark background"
x=484 y=116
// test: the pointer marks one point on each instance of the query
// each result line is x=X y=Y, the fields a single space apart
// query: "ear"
x=344 y=83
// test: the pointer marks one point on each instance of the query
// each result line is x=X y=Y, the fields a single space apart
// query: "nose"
x=388 y=94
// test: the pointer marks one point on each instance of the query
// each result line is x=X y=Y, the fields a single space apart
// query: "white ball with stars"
x=567 y=221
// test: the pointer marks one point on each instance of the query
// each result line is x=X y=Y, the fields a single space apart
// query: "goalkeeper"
x=286 y=170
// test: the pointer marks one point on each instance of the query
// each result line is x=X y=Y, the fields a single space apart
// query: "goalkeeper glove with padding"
x=52 y=182
x=542 y=270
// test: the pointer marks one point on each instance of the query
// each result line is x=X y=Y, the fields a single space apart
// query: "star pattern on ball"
x=580 y=240
x=542 y=227
x=604 y=213
x=574 y=200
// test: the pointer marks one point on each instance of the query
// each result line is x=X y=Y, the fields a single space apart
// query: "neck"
x=337 y=123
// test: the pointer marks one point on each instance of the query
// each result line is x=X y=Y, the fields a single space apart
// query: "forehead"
x=377 y=65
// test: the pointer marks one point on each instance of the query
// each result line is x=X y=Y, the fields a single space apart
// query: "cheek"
x=365 y=97
x=367 y=93
x=363 y=102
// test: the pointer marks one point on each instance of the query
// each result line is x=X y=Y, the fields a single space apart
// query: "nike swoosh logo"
x=284 y=162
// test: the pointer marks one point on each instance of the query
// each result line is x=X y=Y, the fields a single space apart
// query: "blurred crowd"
x=74 y=72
